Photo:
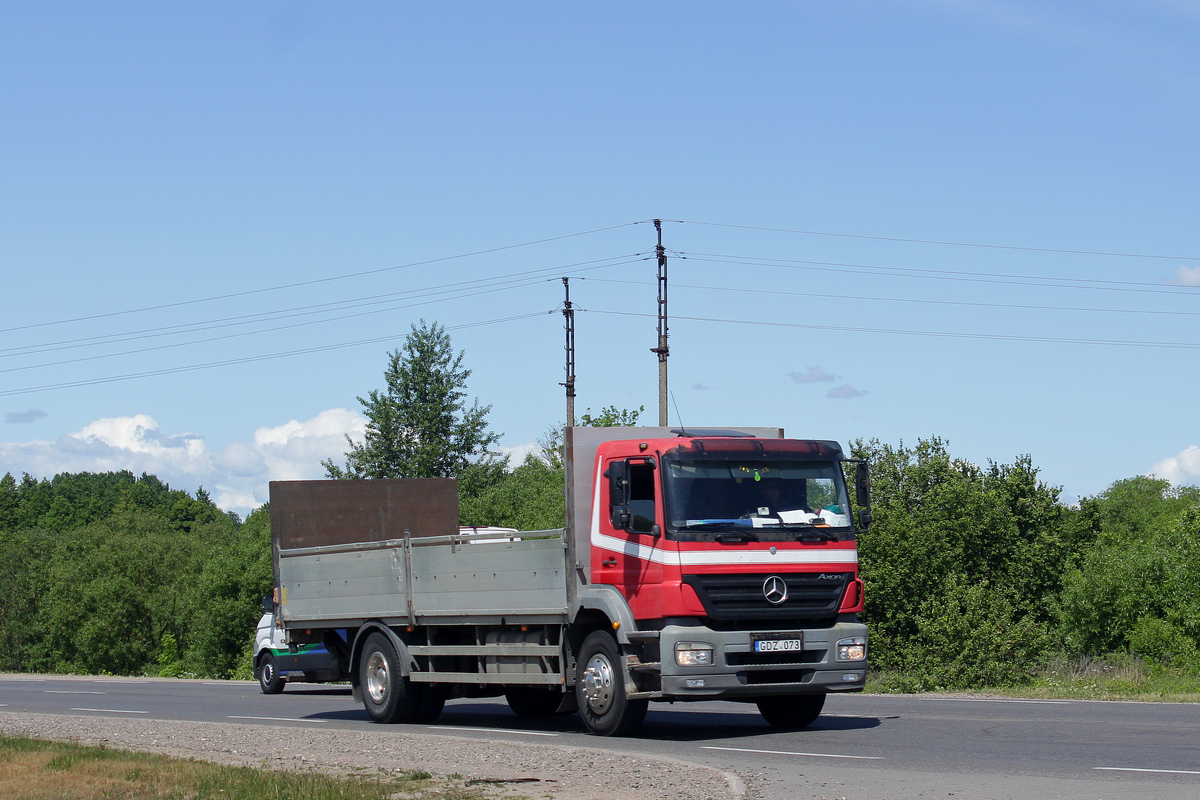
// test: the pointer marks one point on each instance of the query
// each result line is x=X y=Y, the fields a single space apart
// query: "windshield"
x=764 y=500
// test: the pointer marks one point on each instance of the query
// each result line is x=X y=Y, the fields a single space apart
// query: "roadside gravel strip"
x=530 y=770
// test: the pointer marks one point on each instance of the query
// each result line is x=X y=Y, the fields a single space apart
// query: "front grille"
x=762 y=677
x=757 y=659
x=811 y=596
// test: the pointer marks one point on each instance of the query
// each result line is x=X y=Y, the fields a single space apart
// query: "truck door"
x=629 y=554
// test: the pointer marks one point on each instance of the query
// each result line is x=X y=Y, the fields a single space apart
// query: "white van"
x=276 y=664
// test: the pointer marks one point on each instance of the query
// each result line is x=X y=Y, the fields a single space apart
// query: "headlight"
x=693 y=654
x=852 y=649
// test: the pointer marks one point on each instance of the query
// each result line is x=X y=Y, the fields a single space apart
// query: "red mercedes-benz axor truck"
x=695 y=565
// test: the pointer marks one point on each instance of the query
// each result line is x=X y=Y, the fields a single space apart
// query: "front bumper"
x=738 y=673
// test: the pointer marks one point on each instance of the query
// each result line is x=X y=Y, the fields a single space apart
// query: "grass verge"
x=36 y=769
x=1117 y=676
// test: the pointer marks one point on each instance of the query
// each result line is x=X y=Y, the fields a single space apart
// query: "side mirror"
x=862 y=493
x=268 y=604
x=862 y=484
x=618 y=494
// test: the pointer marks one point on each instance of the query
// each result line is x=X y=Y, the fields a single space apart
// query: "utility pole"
x=662 y=350
x=569 y=321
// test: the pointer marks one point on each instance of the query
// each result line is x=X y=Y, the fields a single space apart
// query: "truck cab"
x=736 y=554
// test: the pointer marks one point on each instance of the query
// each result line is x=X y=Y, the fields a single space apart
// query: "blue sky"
x=892 y=220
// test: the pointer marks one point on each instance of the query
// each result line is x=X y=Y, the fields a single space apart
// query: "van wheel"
x=387 y=695
x=792 y=711
x=268 y=676
x=600 y=689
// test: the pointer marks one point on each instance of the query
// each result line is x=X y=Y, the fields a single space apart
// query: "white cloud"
x=845 y=392
x=516 y=455
x=1186 y=276
x=1180 y=469
x=237 y=475
x=814 y=374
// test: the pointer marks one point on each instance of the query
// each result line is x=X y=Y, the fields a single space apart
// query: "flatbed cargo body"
x=449 y=580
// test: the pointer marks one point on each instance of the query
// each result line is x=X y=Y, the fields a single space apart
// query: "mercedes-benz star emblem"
x=775 y=590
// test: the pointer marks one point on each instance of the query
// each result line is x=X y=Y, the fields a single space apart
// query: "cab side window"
x=641 y=497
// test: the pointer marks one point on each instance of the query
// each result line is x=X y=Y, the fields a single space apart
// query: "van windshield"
x=710 y=499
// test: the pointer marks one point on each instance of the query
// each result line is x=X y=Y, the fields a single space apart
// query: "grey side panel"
x=468 y=583
x=517 y=578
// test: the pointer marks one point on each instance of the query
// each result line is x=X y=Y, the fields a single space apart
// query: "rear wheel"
x=792 y=711
x=600 y=688
x=431 y=698
x=268 y=676
x=387 y=695
x=532 y=701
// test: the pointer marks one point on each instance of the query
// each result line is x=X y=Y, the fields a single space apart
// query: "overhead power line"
x=945 y=275
x=316 y=281
x=450 y=291
x=944 y=243
x=921 y=301
x=936 y=334
x=248 y=359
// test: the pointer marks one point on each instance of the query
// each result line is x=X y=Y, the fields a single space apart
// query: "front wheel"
x=792 y=711
x=387 y=695
x=600 y=689
x=268 y=676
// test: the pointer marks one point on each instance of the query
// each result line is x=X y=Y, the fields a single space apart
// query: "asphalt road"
x=863 y=746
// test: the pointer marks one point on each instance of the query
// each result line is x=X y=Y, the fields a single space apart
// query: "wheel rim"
x=598 y=683
x=268 y=672
x=377 y=677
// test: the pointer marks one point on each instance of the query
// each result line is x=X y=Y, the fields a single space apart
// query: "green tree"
x=1140 y=579
x=550 y=446
x=531 y=497
x=945 y=528
x=419 y=426
x=223 y=601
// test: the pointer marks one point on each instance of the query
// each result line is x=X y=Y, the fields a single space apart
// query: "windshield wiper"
x=736 y=536
x=820 y=533
x=706 y=524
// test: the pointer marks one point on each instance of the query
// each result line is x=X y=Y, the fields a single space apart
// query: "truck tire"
x=387 y=695
x=533 y=701
x=792 y=711
x=431 y=699
x=600 y=688
x=268 y=676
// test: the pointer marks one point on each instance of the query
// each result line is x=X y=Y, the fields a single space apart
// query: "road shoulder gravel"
x=530 y=769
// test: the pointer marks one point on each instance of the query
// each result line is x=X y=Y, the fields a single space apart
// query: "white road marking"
x=69 y=691
x=790 y=753
x=110 y=680
x=1136 y=769
x=281 y=719
x=110 y=710
x=490 y=730
x=999 y=700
